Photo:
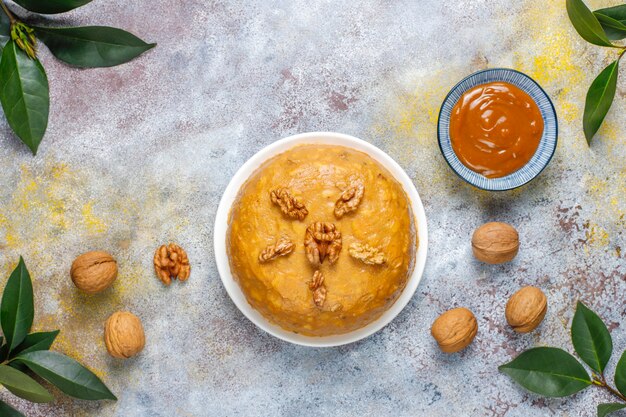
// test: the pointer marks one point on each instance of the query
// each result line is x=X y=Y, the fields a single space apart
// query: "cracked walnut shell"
x=94 y=272
x=350 y=197
x=526 y=309
x=495 y=243
x=284 y=246
x=289 y=205
x=171 y=262
x=322 y=240
x=366 y=254
x=455 y=329
x=123 y=335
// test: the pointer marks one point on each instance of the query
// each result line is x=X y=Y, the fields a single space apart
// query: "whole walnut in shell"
x=123 y=335
x=526 y=309
x=455 y=329
x=93 y=272
x=495 y=243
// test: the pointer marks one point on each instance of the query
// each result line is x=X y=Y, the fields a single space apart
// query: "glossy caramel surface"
x=495 y=129
x=357 y=293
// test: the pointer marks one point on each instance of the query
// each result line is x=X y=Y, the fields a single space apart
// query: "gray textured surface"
x=139 y=155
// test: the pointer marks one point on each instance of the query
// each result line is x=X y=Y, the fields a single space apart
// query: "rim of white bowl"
x=221 y=229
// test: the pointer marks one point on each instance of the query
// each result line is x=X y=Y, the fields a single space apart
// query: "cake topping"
x=366 y=254
x=322 y=239
x=282 y=247
x=350 y=197
x=289 y=205
x=319 y=289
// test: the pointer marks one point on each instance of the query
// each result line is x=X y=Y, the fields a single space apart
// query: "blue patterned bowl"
x=546 y=147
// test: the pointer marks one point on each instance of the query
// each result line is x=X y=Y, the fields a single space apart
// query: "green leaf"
x=92 y=46
x=66 y=374
x=620 y=374
x=551 y=372
x=51 y=6
x=606 y=409
x=23 y=386
x=4 y=350
x=616 y=12
x=591 y=339
x=599 y=99
x=614 y=29
x=7 y=411
x=4 y=353
x=585 y=23
x=5 y=30
x=34 y=342
x=17 y=309
x=24 y=95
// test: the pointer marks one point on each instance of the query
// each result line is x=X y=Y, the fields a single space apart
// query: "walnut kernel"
x=322 y=240
x=289 y=205
x=350 y=197
x=366 y=254
x=282 y=247
x=319 y=289
x=171 y=262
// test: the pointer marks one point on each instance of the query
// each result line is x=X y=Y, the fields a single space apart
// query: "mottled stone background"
x=140 y=154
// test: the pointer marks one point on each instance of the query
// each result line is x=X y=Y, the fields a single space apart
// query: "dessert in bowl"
x=497 y=129
x=321 y=240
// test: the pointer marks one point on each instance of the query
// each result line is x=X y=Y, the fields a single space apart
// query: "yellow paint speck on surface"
x=93 y=223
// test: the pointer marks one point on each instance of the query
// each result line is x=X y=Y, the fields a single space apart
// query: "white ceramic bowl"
x=221 y=230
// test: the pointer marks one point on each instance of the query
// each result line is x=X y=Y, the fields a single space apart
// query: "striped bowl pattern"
x=547 y=145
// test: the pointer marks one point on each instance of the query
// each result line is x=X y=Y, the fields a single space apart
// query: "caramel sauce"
x=495 y=129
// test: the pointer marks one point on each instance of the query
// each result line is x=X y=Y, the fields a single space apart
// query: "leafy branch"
x=23 y=353
x=24 y=90
x=599 y=28
x=552 y=372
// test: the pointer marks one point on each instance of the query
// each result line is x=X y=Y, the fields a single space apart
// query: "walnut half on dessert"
x=293 y=270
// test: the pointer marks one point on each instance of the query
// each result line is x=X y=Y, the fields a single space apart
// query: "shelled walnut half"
x=284 y=246
x=171 y=262
x=367 y=254
x=319 y=289
x=289 y=205
x=322 y=240
x=350 y=197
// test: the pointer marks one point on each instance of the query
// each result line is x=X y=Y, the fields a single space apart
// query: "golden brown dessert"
x=321 y=240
